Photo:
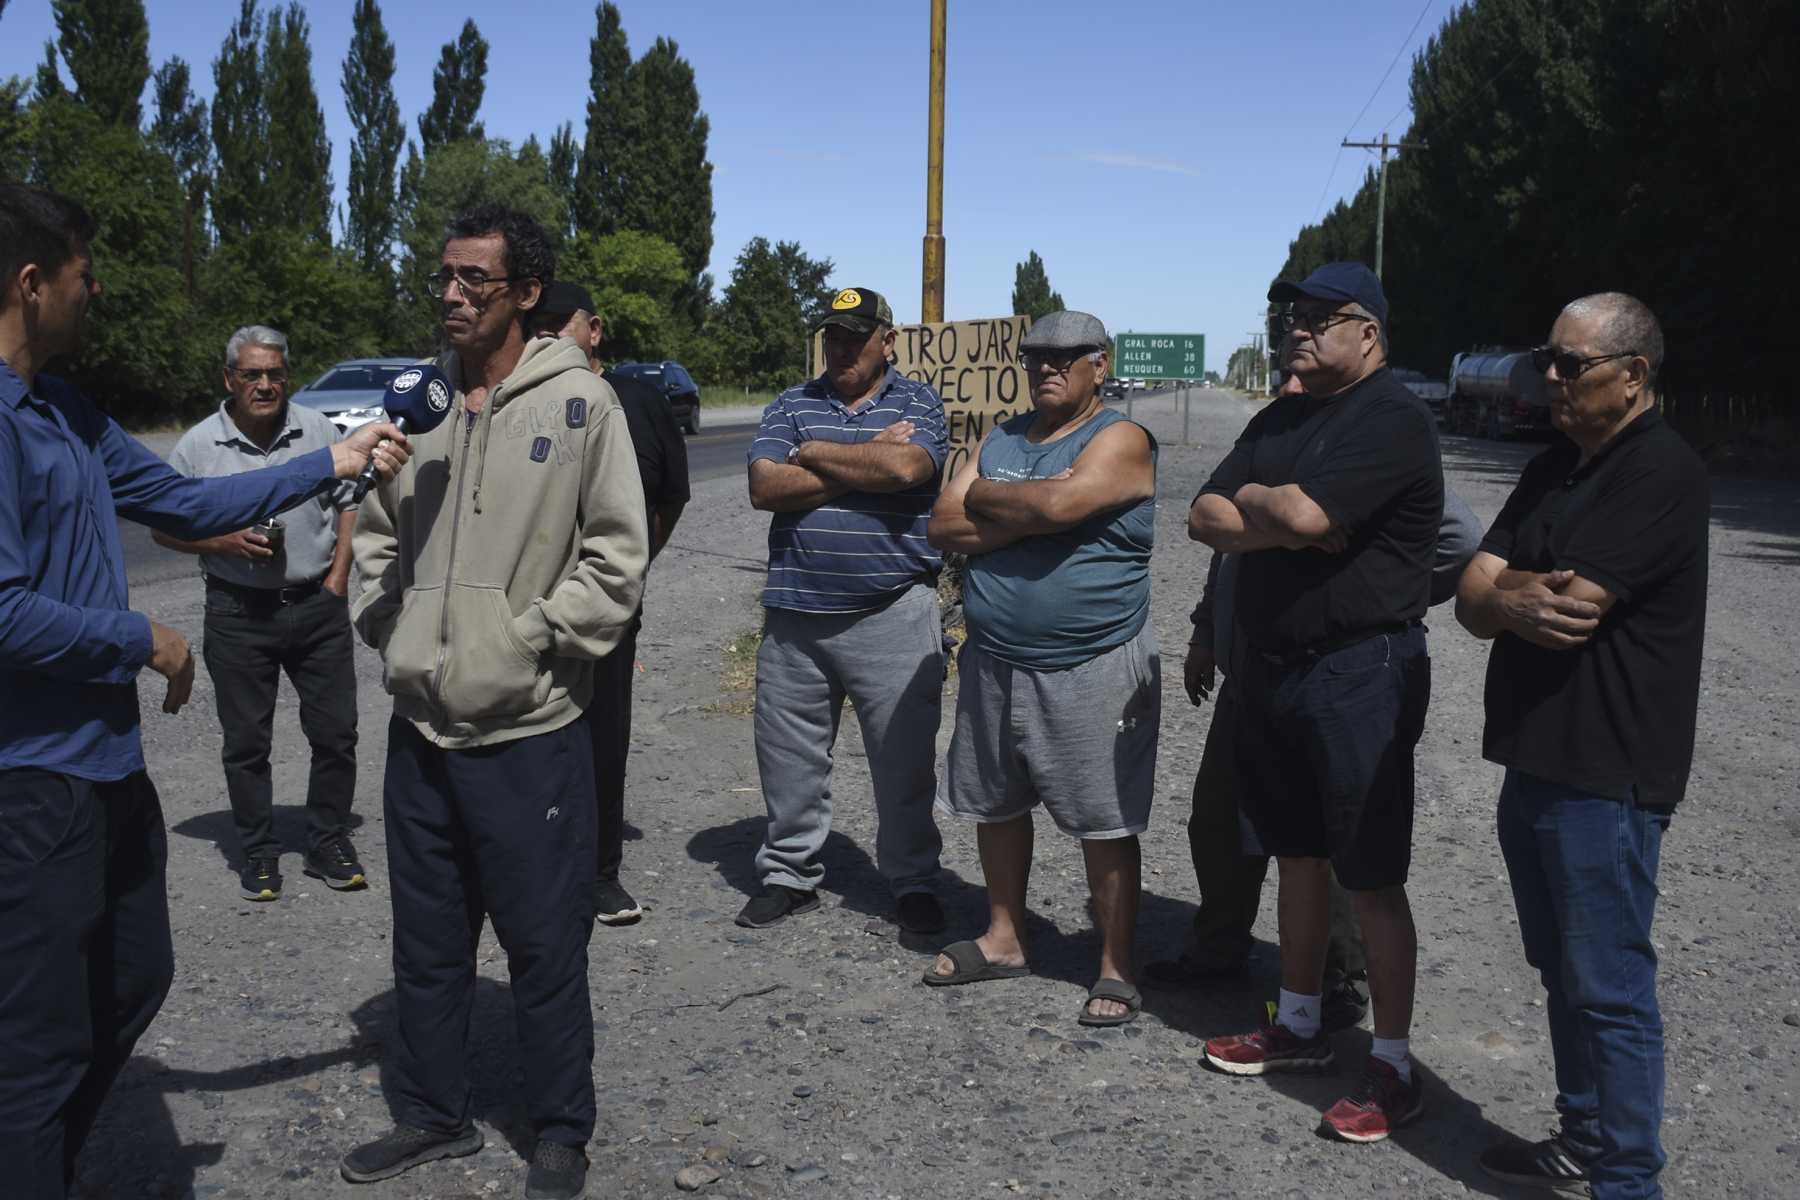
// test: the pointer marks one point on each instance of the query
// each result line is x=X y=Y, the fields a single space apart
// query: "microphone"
x=417 y=400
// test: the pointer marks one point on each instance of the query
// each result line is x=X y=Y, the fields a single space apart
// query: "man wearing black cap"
x=567 y=310
x=848 y=464
x=1333 y=498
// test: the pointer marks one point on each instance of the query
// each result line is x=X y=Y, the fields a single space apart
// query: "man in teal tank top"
x=1060 y=687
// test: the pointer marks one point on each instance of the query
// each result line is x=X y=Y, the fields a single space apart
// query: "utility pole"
x=1381 y=190
x=932 y=302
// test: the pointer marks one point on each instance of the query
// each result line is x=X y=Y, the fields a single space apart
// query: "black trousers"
x=609 y=725
x=249 y=643
x=85 y=959
x=1231 y=881
x=504 y=832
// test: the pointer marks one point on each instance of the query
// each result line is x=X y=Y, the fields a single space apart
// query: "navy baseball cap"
x=564 y=299
x=1337 y=281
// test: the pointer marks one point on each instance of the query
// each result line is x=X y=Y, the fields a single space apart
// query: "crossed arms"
x=975 y=515
x=821 y=471
x=1558 y=610
x=1264 y=518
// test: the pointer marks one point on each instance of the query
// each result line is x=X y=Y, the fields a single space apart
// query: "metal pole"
x=932 y=300
x=1381 y=204
x=1187 y=414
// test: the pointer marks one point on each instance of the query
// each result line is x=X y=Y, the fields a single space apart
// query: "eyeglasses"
x=472 y=282
x=1056 y=362
x=1569 y=365
x=275 y=375
x=1316 y=322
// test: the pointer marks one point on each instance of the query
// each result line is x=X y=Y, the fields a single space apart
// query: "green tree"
x=611 y=124
x=457 y=85
x=667 y=181
x=106 y=44
x=298 y=154
x=48 y=82
x=761 y=326
x=14 y=127
x=375 y=151
x=565 y=166
x=435 y=188
x=1031 y=289
x=636 y=279
x=240 y=127
x=179 y=132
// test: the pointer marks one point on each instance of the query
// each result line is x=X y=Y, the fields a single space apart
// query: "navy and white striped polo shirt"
x=862 y=549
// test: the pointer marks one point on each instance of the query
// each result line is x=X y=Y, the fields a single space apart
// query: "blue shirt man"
x=849 y=464
x=85 y=949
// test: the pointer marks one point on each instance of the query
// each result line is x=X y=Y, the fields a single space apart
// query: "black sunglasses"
x=1569 y=365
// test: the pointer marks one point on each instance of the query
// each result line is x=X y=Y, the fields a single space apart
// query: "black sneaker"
x=775 y=903
x=335 y=862
x=1549 y=1164
x=1344 y=1007
x=260 y=879
x=404 y=1148
x=919 y=912
x=613 y=905
x=558 y=1172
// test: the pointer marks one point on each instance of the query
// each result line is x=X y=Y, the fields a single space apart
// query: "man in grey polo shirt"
x=275 y=602
x=849 y=463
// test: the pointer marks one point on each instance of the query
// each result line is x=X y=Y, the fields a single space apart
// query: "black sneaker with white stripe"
x=1549 y=1164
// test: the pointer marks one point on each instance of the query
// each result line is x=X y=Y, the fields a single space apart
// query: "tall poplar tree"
x=240 y=127
x=1031 y=293
x=457 y=85
x=106 y=44
x=375 y=151
x=179 y=132
x=668 y=179
x=565 y=165
x=298 y=152
x=611 y=122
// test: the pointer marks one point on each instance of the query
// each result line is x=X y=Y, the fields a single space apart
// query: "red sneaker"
x=1274 y=1047
x=1381 y=1105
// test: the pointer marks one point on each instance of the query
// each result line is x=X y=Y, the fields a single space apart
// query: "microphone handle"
x=369 y=478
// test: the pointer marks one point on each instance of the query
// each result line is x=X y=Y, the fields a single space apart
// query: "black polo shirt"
x=1618 y=711
x=661 y=451
x=1369 y=457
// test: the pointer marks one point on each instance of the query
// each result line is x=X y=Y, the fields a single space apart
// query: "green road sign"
x=1159 y=355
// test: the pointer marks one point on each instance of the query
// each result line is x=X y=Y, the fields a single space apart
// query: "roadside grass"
x=720 y=395
x=737 y=675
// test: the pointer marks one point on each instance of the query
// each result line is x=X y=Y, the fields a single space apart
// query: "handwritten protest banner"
x=973 y=365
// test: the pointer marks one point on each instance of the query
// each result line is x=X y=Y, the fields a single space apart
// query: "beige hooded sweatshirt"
x=506 y=556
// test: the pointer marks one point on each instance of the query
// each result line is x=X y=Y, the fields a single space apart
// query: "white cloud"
x=1137 y=162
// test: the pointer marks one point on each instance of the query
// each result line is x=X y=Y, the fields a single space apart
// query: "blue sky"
x=1159 y=154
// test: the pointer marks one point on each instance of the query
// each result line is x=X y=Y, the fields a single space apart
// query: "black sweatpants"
x=250 y=641
x=1231 y=881
x=85 y=959
x=506 y=832
x=609 y=725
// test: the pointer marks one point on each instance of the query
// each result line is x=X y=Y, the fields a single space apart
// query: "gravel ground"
x=806 y=1060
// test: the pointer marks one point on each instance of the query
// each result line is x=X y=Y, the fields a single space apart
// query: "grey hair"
x=1380 y=325
x=1627 y=326
x=255 y=335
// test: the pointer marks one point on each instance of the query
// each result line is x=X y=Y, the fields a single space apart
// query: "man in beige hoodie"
x=496 y=570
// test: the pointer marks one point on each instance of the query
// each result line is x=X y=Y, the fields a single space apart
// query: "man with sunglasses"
x=1333 y=498
x=275 y=607
x=848 y=464
x=1592 y=586
x=495 y=575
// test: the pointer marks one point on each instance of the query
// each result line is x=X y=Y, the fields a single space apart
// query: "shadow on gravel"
x=135 y=1148
x=1767 y=507
x=218 y=828
x=849 y=871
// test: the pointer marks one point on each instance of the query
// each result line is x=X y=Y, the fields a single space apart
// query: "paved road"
x=714 y=452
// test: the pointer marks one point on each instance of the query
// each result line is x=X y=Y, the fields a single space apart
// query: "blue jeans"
x=1583 y=868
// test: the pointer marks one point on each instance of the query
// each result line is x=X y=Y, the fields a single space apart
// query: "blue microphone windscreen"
x=422 y=395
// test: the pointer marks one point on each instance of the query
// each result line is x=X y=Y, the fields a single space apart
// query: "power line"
x=1324 y=191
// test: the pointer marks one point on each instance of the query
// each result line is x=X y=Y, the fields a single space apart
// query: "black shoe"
x=919 y=912
x=334 y=861
x=558 y=1172
x=775 y=903
x=1549 y=1164
x=260 y=879
x=404 y=1148
x=613 y=905
x=1344 y=1007
x=1187 y=971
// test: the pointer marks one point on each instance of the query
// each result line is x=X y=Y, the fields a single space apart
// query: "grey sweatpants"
x=890 y=663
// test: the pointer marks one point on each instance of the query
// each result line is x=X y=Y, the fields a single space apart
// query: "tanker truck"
x=1496 y=394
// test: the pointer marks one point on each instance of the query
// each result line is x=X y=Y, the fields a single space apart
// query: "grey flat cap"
x=1067 y=330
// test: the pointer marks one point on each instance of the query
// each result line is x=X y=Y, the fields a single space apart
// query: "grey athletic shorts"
x=1081 y=741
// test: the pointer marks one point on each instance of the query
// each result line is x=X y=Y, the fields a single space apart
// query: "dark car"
x=675 y=385
x=350 y=393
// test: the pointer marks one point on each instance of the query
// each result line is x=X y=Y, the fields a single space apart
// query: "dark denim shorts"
x=1325 y=755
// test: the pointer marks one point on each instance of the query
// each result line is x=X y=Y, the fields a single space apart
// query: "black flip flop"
x=1112 y=989
x=972 y=966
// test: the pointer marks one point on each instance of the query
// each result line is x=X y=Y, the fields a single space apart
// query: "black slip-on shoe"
x=776 y=903
x=403 y=1148
x=558 y=1172
x=919 y=912
x=613 y=905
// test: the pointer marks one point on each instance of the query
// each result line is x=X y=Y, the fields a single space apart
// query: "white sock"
x=1299 y=1013
x=1392 y=1051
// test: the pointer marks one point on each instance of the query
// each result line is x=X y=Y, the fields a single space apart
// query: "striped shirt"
x=862 y=549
